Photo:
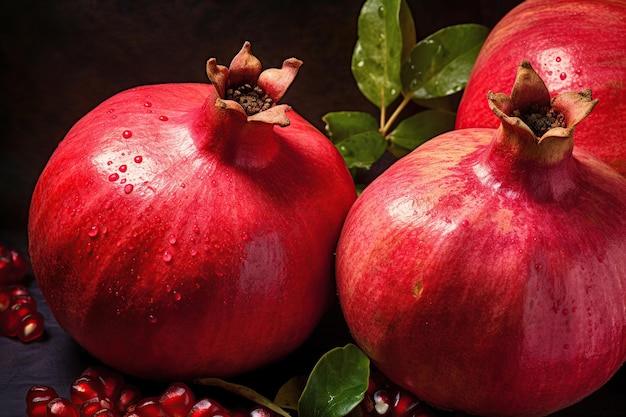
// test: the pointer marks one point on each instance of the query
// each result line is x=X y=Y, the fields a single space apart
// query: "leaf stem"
x=387 y=125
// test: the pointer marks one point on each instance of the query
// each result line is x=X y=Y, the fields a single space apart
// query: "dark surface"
x=61 y=58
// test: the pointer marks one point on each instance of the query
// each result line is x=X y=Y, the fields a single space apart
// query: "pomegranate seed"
x=206 y=408
x=111 y=383
x=37 y=399
x=13 y=265
x=177 y=399
x=382 y=402
x=31 y=327
x=404 y=404
x=147 y=407
x=85 y=388
x=5 y=299
x=260 y=411
x=105 y=412
x=93 y=406
x=129 y=395
x=17 y=290
x=61 y=407
x=12 y=318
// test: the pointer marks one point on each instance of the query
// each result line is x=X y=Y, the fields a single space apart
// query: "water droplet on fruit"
x=177 y=296
x=128 y=188
x=127 y=134
x=123 y=168
x=244 y=235
x=152 y=319
x=193 y=252
x=108 y=205
x=563 y=76
x=558 y=59
x=114 y=177
x=109 y=162
x=147 y=104
x=93 y=231
x=138 y=159
x=219 y=272
x=549 y=72
x=381 y=11
x=163 y=118
x=167 y=257
x=171 y=239
x=464 y=223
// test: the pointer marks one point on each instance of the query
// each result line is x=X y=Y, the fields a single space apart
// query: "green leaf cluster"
x=392 y=70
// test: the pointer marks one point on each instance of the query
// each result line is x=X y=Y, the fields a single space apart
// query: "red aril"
x=573 y=44
x=485 y=271
x=184 y=230
x=13 y=265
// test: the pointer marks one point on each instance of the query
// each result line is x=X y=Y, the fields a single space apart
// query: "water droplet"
x=148 y=208
x=360 y=64
x=193 y=252
x=123 y=168
x=558 y=59
x=219 y=273
x=167 y=257
x=123 y=181
x=549 y=72
x=195 y=229
x=163 y=118
x=244 y=235
x=152 y=319
x=128 y=188
x=138 y=159
x=563 y=76
x=465 y=223
x=171 y=239
x=93 y=231
x=114 y=177
x=381 y=11
x=110 y=111
x=109 y=162
x=393 y=91
x=147 y=104
x=108 y=204
x=176 y=296
x=183 y=185
x=127 y=134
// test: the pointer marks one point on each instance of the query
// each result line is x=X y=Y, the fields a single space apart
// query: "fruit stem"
x=385 y=126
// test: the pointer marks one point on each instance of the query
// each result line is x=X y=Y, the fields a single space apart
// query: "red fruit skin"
x=204 y=249
x=572 y=44
x=447 y=286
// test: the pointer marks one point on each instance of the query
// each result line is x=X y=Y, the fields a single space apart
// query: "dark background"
x=60 y=58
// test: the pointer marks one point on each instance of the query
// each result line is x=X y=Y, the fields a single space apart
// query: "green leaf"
x=417 y=129
x=440 y=64
x=290 y=392
x=363 y=149
x=376 y=59
x=337 y=383
x=343 y=124
x=407 y=27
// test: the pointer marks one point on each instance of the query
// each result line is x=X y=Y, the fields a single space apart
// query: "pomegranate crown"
x=246 y=89
x=530 y=108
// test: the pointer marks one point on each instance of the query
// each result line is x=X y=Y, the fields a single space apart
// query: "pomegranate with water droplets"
x=573 y=44
x=485 y=271
x=184 y=230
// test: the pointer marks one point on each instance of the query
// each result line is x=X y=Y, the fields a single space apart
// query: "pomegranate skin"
x=488 y=281
x=174 y=238
x=573 y=44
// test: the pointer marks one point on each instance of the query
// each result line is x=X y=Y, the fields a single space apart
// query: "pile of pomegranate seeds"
x=18 y=310
x=100 y=392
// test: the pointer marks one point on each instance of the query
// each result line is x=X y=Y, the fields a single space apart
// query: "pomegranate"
x=573 y=44
x=185 y=230
x=485 y=271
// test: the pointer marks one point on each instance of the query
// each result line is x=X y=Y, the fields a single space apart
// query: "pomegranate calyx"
x=530 y=109
x=243 y=86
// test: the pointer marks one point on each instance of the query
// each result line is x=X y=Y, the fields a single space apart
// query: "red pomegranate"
x=485 y=271
x=185 y=230
x=573 y=44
